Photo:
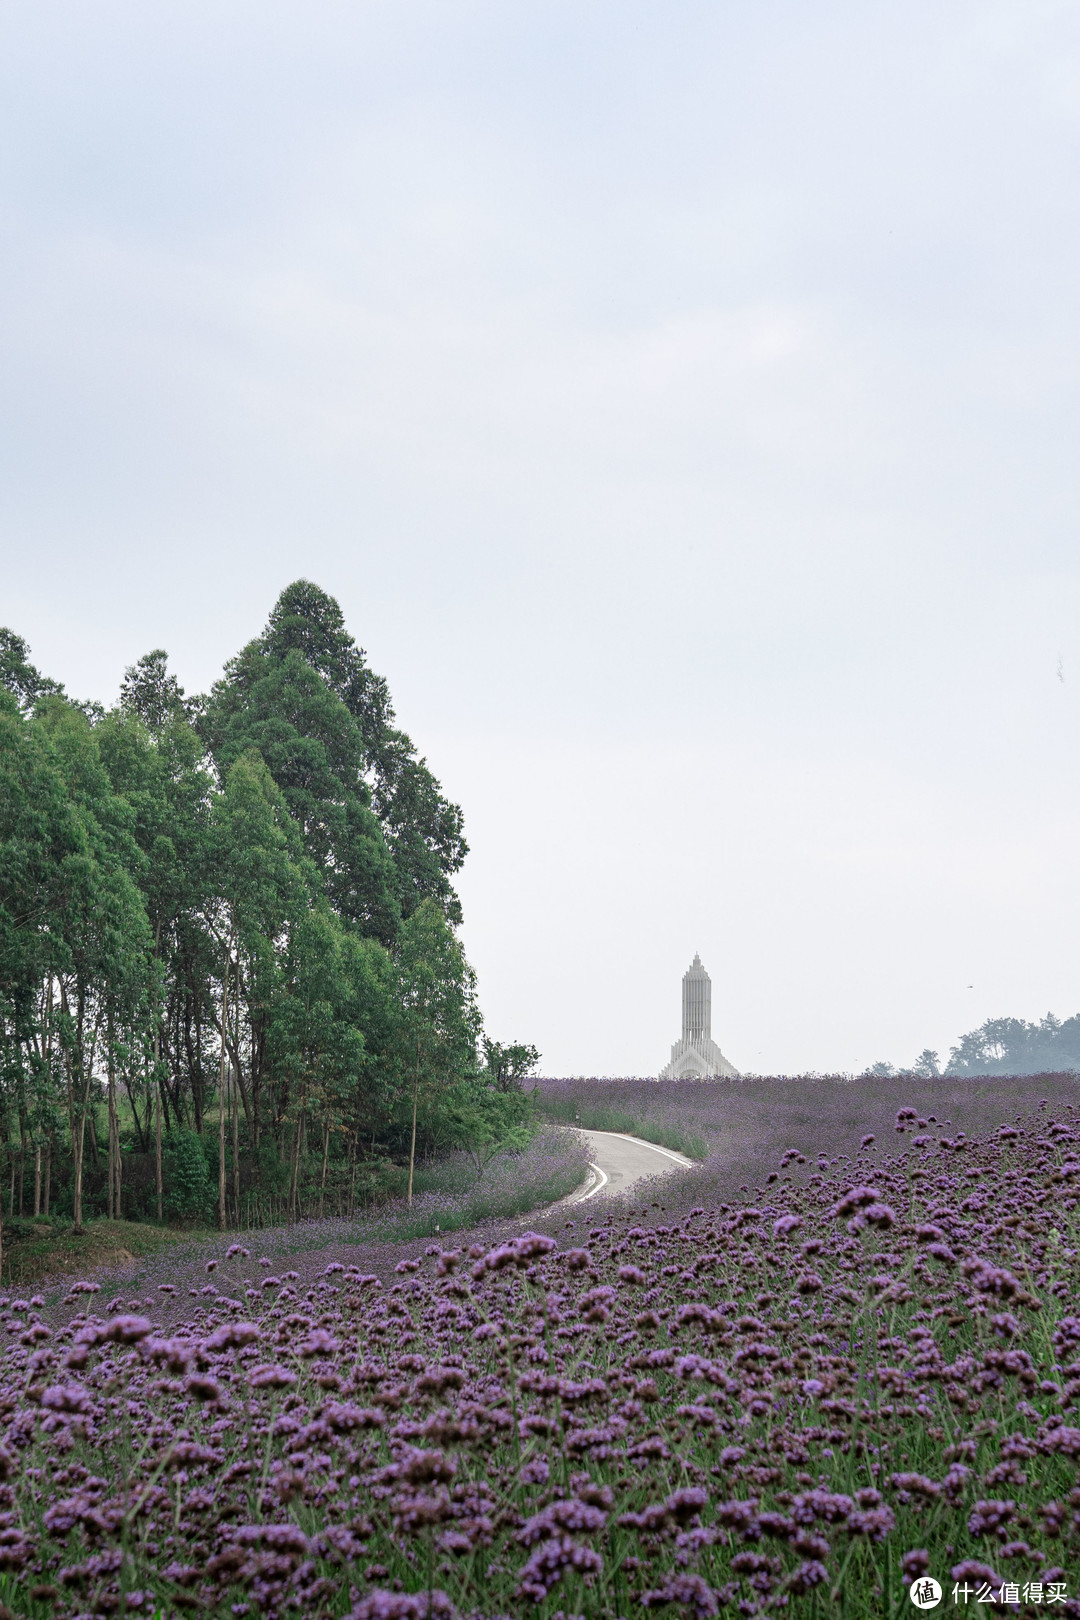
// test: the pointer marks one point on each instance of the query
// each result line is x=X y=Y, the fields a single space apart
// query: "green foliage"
x=253 y=888
x=486 y=1122
x=153 y=695
x=44 y=850
x=1014 y=1046
x=423 y=831
x=190 y=1195
x=509 y=1066
x=371 y=814
x=18 y=676
x=440 y=1026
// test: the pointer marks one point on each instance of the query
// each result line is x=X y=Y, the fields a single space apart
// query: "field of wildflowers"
x=864 y=1373
x=742 y=1126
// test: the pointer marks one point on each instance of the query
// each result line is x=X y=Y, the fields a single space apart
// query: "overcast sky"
x=682 y=400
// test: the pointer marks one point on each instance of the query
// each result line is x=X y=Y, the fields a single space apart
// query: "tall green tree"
x=509 y=1066
x=153 y=694
x=18 y=675
x=239 y=904
x=43 y=852
x=283 y=710
x=156 y=761
x=262 y=887
x=441 y=1023
x=316 y=1039
x=101 y=917
x=333 y=772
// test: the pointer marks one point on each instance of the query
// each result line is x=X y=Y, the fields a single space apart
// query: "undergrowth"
x=38 y=1248
x=449 y=1198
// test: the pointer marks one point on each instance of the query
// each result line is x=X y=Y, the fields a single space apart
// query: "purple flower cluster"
x=668 y=1409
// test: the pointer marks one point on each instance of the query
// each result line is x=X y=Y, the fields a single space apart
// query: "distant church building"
x=697 y=1056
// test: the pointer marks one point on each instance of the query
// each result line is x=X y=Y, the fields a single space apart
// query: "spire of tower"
x=696 y=1056
x=696 y=1002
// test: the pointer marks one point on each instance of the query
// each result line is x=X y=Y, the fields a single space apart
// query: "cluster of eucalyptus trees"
x=229 y=969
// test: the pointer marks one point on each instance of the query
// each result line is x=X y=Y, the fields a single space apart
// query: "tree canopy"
x=1014 y=1046
x=239 y=906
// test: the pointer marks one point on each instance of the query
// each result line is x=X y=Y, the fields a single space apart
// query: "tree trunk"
x=48 y=1177
x=76 y=1193
x=142 y=1137
x=76 y=1138
x=37 y=1180
x=76 y=1179
x=22 y=1154
x=257 y=1052
x=76 y=1167
x=221 y=1091
x=325 y=1157
x=197 y=1098
x=154 y=1098
x=296 y=1168
x=158 y=1086
x=117 y=1162
x=113 y=1131
x=234 y=1051
x=235 y=1112
x=412 y=1144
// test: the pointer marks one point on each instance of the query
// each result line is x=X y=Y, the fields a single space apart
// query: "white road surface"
x=618 y=1161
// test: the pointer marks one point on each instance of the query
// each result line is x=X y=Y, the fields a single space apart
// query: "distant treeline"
x=1003 y=1046
x=230 y=980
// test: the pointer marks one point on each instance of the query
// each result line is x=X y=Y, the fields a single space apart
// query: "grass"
x=35 y=1249
x=590 y=1115
x=450 y=1198
x=138 y=1257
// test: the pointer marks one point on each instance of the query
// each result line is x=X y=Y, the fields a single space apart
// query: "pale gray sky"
x=682 y=401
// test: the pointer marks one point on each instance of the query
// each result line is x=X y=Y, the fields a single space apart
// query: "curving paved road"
x=619 y=1161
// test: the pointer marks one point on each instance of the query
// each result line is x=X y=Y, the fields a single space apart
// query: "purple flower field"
x=865 y=1371
x=742 y=1126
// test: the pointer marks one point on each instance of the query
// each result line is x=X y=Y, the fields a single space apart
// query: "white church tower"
x=697 y=1056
